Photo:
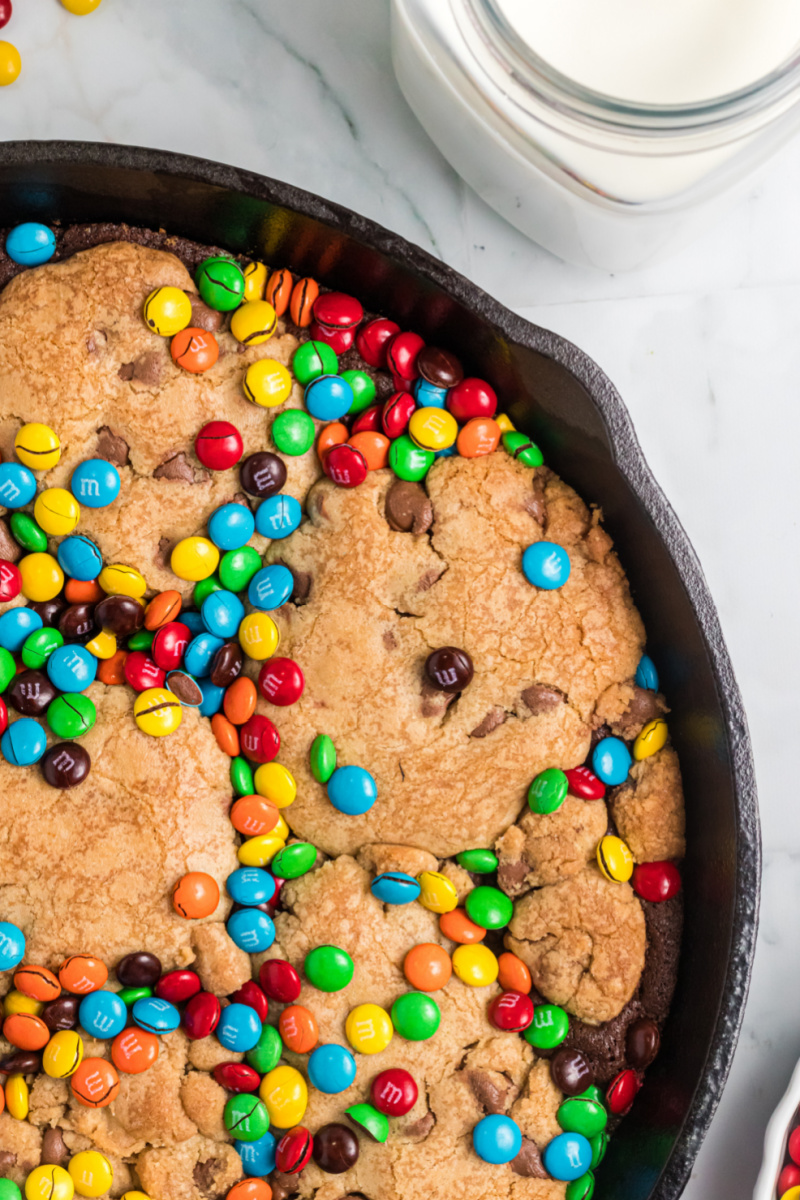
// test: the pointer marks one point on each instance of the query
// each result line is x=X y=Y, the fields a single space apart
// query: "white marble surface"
x=704 y=349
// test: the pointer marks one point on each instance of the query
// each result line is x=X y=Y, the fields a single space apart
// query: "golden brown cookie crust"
x=648 y=810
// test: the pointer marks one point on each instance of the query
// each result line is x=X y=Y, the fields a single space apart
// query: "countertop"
x=704 y=349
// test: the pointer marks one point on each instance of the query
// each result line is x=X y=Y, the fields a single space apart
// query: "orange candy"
x=81 y=974
x=195 y=350
x=37 y=982
x=513 y=975
x=95 y=1084
x=162 y=609
x=374 y=446
x=134 y=1050
x=25 y=1031
x=239 y=701
x=304 y=295
x=254 y=815
x=226 y=734
x=195 y=895
x=427 y=967
x=250 y=1189
x=457 y=926
x=279 y=293
x=112 y=670
x=83 y=591
x=298 y=1029
x=331 y=435
x=479 y=436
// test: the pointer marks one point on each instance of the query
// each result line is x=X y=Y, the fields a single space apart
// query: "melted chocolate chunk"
x=177 y=469
x=54 y=1149
x=493 y=720
x=112 y=447
x=408 y=509
x=540 y=698
x=491 y=1097
x=528 y=1162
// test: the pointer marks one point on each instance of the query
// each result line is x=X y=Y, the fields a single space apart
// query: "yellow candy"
x=275 y=783
x=49 y=1183
x=505 y=423
x=792 y=1194
x=285 y=1094
x=652 y=738
x=118 y=580
x=157 y=711
x=194 y=558
x=267 y=383
x=475 y=965
x=10 y=63
x=18 y=1002
x=168 y=310
x=91 y=1172
x=259 y=636
x=438 y=893
x=17 y=1097
x=42 y=577
x=614 y=859
x=260 y=851
x=134 y=1196
x=57 y=511
x=81 y=8
x=38 y=446
x=254 y=322
x=63 y=1054
x=433 y=428
x=103 y=646
x=255 y=280
x=369 y=1028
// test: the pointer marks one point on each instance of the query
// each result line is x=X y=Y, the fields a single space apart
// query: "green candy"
x=237 y=568
x=8 y=668
x=313 y=359
x=130 y=995
x=9 y=1190
x=293 y=432
x=363 y=390
x=267 y=1051
x=489 y=907
x=28 y=533
x=204 y=588
x=520 y=446
x=592 y=1093
x=294 y=861
x=599 y=1144
x=142 y=640
x=220 y=282
x=365 y=1117
x=39 y=645
x=582 y=1114
x=416 y=1016
x=409 y=461
x=480 y=862
x=322 y=757
x=548 y=791
x=246 y=1117
x=71 y=715
x=549 y=1027
x=581 y=1189
x=242 y=777
x=328 y=968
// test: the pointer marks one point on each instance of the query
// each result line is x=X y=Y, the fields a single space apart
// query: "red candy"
x=394 y=1092
x=337 y=310
x=236 y=1077
x=622 y=1091
x=3 y=716
x=293 y=1151
x=219 y=445
x=511 y=1010
x=584 y=784
x=169 y=645
x=397 y=413
x=794 y=1145
x=10 y=580
x=142 y=673
x=5 y=12
x=279 y=980
x=346 y=466
x=201 y=1016
x=472 y=398
x=369 y=421
x=281 y=681
x=259 y=739
x=401 y=357
x=339 y=340
x=788 y=1178
x=177 y=986
x=373 y=340
x=251 y=995
x=656 y=881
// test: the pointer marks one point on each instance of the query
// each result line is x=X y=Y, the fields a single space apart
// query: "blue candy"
x=95 y=483
x=79 y=558
x=395 y=887
x=270 y=587
x=157 y=1016
x=103 y=1014
x=200 y=652
x=352 y=790
x=328 y=397
x=497 y=1139
x=276 y=517
x=331 y=1069
x=251 y=930
x=71 y=668
x=239 y=1027
x=12 y=946
x=231 y=526
x=428 y=395
x=193 y=622
x=250 y=885
x=646 y=674
x=31 y=244
x=448 y=452
x=222 y=613
x=546 y=565
x=17 y=485
x=24 y=742
x=212 y=697
x=611 y=761
x=15 y=625
x=258 y=1157
x=568 y=1156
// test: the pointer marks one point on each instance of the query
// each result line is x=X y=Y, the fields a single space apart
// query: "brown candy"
x=335 y=1149
x=439 y=367
x=61 y=1013
x=262 y=474
x=449 y=669
x=30 y=693
x=571 y=1072
x=49 y=610
x=642 y=1043
x=55 y=1152
x=77 y=621
x=408 y=509
x=120 y=615
x=227 y=664
x=23 y=1062
x=140 y=969
x=66 y=764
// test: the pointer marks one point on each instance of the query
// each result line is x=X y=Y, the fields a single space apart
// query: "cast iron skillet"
x=554 y=392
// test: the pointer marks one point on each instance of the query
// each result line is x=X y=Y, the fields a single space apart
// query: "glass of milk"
x=610 y=131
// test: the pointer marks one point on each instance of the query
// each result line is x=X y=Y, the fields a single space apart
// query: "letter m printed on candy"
x=94 y=1084
x=89 y=487
x=9 y=491
x=391 y=1093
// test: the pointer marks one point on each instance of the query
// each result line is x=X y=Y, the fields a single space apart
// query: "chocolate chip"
x=434 y=702
x=493 y=720
x=571 y=1072
x=428 y=578
x=120 y=615
x=61 y=1013
x=7 y=1159
x=162 y=555
x=185 y=688
x=262 y=474
x=449 y=669
x=30 y=693
x=419 y=1129
x=148 y=368
x=645 y=706
x=491 y=1097
x=54 y=1149
x=535 y=503
x=389 y=640
x=177 y=469
x=49 y=610
x=125 y=372
x=227 y=664
x=23 y=1062
x=97 y=341
x=642 y=1043
x=77 y=621
x=511 y=875
x=335 y=1148
x=408 y=509
x=204 y=1175
x=140 y=969
x=439 y=367
x=302 y=583
x=9 y=549
x=111 y=446
x=204 y=317
x=540 y=698
x=66 y=764
x=528 y=1162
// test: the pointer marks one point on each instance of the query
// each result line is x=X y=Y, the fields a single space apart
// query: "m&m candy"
x=31 y=244
x=352 y=790
x=611 y=761
x=220 y=282
x=195 y=895
x=394 y=1092
x=497 y=1139
x=95 y=483
x=155 y=1015
x=285 y=1095
x=475 y=965
x=546 y=565
x=614 y=859
x=427 y=967
x=651 y=739
x=395 y=887
x=369 y=1029
x=416 y=1016
x=331 y=1069
x=37 y=446
x=167 y=310
x=157 y=712
x=239 y=1027
x=196 y=350
x=219 y=445
x=568 y=1156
